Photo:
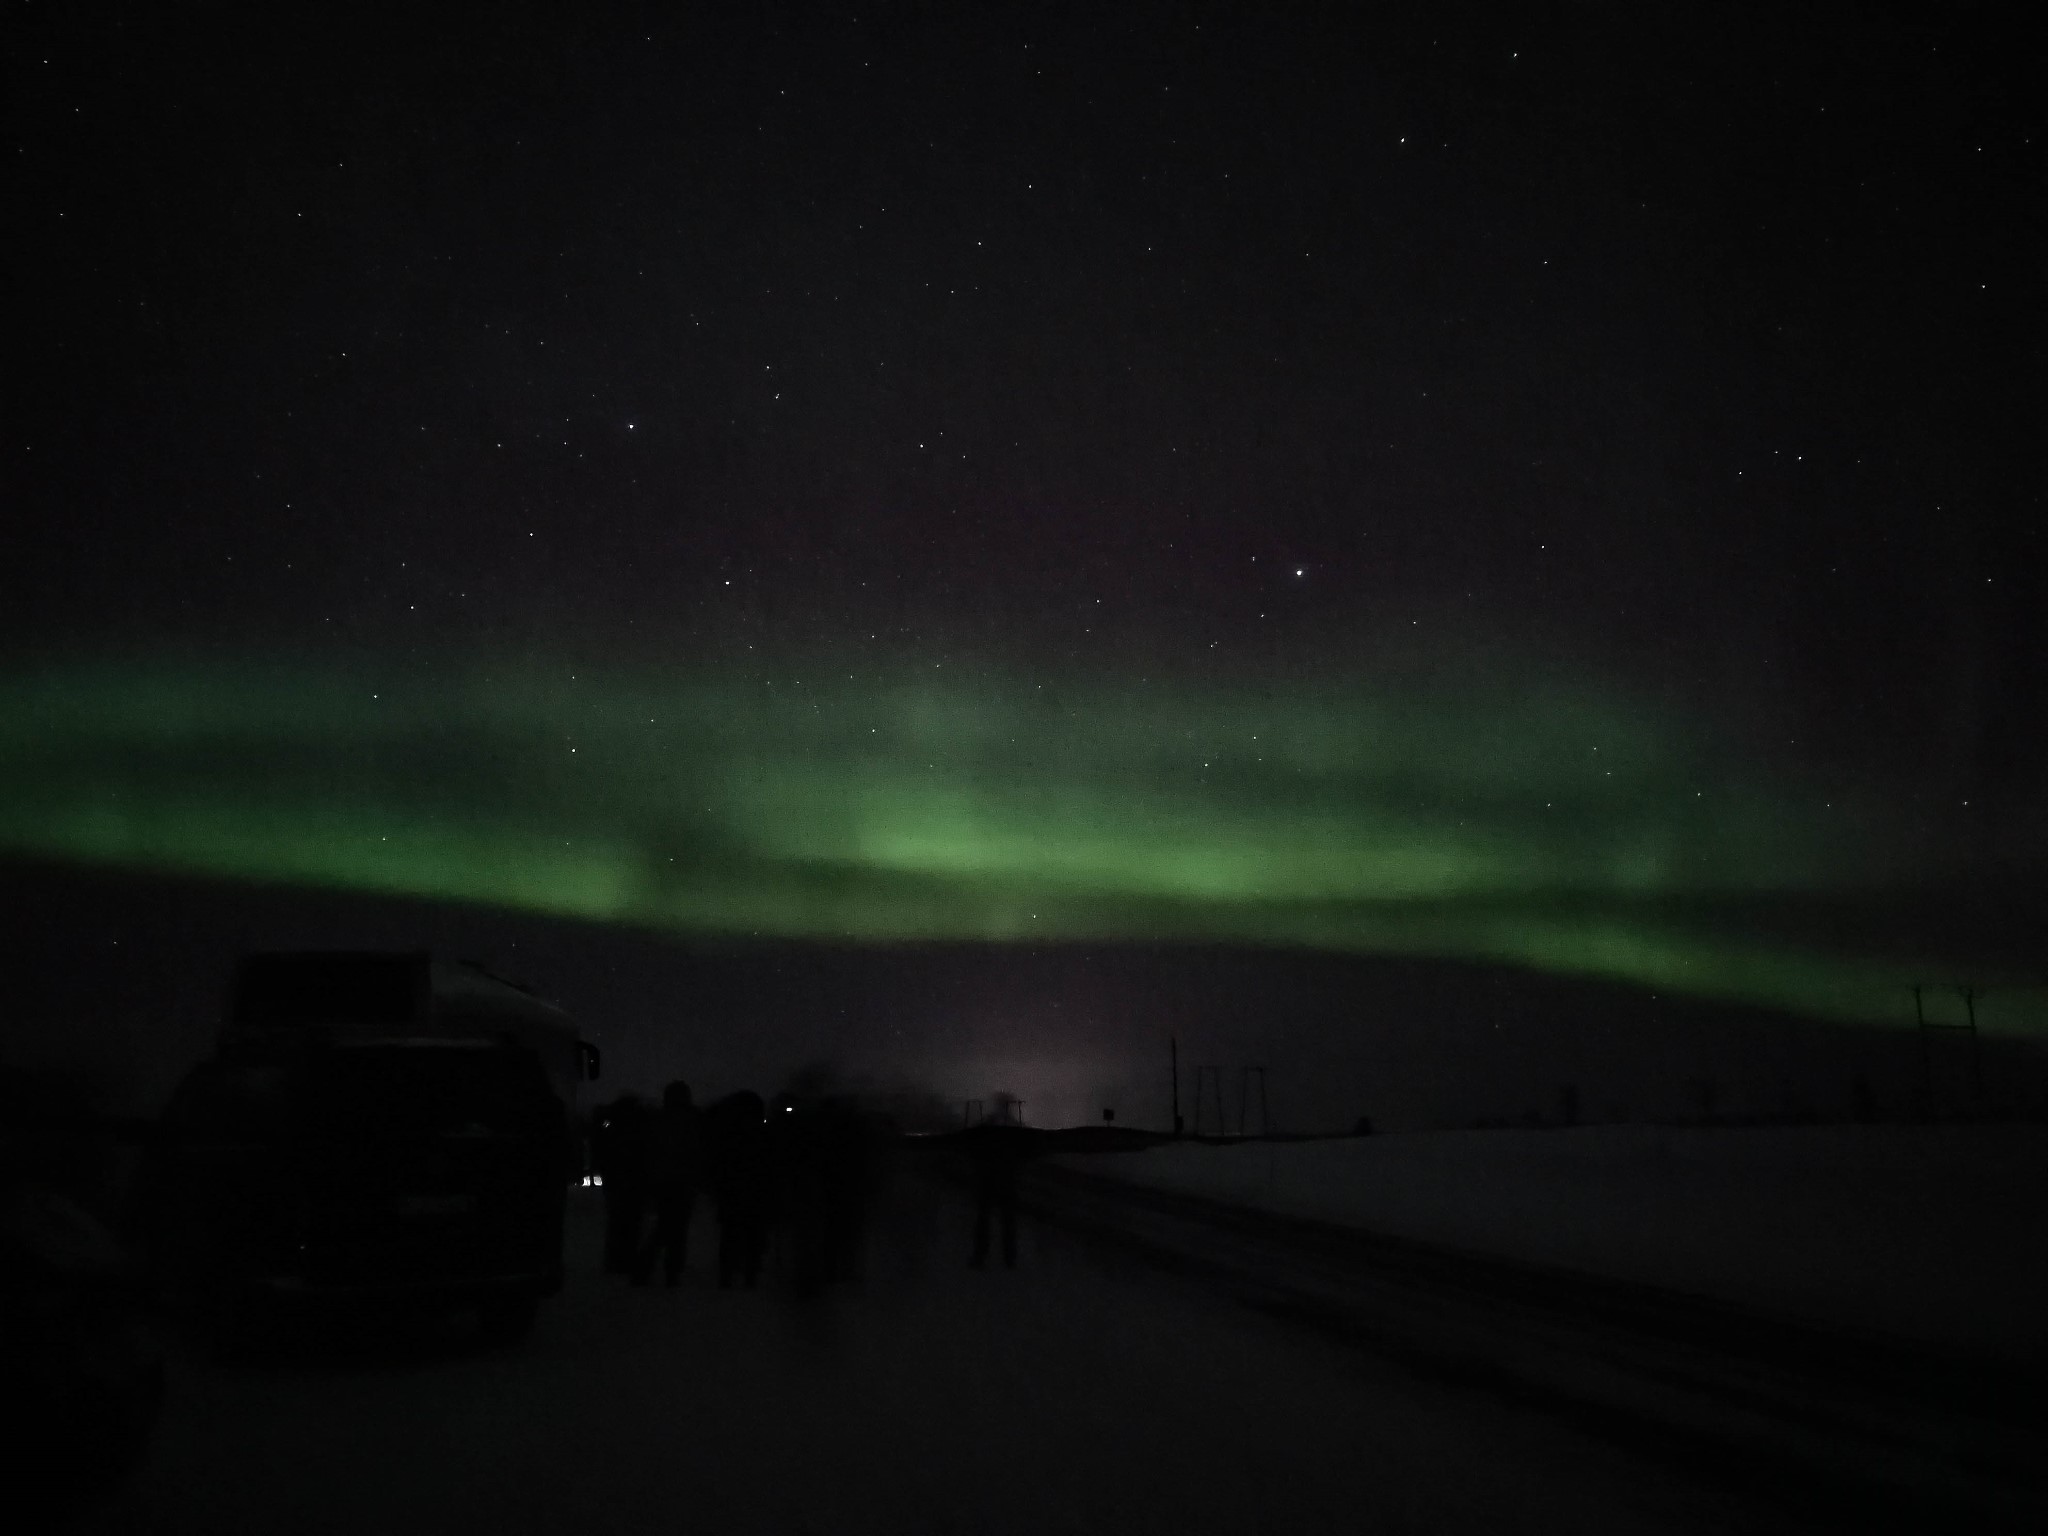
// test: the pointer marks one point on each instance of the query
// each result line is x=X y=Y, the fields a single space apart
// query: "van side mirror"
x=591 y=1060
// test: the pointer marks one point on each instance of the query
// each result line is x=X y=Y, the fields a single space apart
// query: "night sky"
x=1550 y=487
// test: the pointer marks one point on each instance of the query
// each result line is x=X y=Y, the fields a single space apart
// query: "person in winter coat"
x=736 y=1161
x=673 y=1168
x=823 y=1167
x=996 y=1154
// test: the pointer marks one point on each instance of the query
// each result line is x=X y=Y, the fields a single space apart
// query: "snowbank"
x=1934 y=1232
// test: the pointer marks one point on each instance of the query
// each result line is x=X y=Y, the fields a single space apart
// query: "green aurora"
x=1564 y=829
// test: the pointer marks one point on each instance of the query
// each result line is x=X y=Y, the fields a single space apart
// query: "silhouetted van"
x=373 y=1126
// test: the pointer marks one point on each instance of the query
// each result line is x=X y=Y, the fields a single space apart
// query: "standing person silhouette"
x=621 y=1156
x=997 y=1153
x=736 y=1155
x=672 y=1168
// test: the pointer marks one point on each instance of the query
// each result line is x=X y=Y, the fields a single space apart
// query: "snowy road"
x=1081 y=1392
x=1832 y=1425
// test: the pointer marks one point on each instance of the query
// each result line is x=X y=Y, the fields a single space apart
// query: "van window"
x=236 y=1100
x=429 y=1092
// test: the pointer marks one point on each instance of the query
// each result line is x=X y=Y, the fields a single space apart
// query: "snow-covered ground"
x=1068 y=1396
x=1929 y=1232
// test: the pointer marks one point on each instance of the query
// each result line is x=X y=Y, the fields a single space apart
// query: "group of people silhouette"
x=799 y=1172
x=796 y=1176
